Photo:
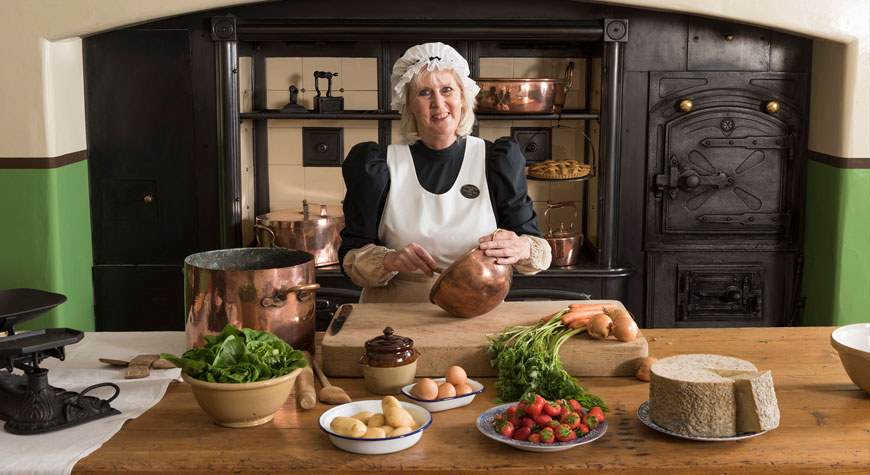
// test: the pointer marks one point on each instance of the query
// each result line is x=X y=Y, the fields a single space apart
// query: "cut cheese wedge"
x=711 y=396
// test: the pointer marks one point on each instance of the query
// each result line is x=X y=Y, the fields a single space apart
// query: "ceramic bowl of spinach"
x=241 y=378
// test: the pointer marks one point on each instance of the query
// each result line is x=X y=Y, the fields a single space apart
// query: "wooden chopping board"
x=444 y=340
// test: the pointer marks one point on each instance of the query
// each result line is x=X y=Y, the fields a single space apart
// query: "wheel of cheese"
x=711 y=396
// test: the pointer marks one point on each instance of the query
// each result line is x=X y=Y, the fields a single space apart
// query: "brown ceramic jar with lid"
x=389 y=363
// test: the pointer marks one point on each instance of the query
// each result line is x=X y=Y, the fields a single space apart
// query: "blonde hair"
x=408 y=132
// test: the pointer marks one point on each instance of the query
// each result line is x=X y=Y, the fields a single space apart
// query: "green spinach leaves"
x=239 y=356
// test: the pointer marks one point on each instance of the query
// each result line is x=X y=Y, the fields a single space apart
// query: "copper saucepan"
x=523 y=95
x=313 y=228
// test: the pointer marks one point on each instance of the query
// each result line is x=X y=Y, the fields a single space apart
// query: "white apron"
x=446 y=225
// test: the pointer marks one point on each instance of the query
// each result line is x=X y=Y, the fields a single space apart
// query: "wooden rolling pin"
x=305 y=393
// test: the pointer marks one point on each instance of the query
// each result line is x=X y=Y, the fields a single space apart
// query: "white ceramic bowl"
x=852 y=342
x=444 y=404
x=386 y=445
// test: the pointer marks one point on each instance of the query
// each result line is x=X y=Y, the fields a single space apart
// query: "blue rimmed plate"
x=484 y=425
x=643 y=415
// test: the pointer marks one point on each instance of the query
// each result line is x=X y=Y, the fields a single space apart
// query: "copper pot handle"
x=558 y=204
x=303 y=292
x=569 y=74
x=268 y=230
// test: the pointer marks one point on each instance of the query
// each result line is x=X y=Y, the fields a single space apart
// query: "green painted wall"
x=45 y=242
x=836 y=280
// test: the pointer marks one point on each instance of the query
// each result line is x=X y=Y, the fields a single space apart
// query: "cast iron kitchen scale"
x=28 y=404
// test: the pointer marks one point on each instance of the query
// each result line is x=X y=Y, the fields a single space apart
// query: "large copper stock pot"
x=259 y=288
x=473 y=285
x=312 y=228
x=514 y=95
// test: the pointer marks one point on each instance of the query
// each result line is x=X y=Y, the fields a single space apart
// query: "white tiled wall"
x=289 y=181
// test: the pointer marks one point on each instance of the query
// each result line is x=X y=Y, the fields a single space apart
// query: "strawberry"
x=597 y=413
x=536 y=438
x=534 y=404
x=548 y=435
x=564 y=434
x=513 y=415
x=522 y=433
x=591 y=422
x=552 y=409
x=581 y=430
x=543 y=420
x=528 y=422
x=571 y=419
x=576 y=407
x=503 y=426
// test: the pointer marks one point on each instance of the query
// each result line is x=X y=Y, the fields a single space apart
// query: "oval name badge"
x=470 y=191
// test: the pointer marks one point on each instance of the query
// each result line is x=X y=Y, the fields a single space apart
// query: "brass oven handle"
x=303 y=293
x=268 y=230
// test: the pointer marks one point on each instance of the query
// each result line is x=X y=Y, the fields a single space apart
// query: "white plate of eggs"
x=455 y=389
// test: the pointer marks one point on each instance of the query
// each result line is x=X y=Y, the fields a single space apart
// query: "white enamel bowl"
x=444 y=404
x=852 y=342
x=386 y=445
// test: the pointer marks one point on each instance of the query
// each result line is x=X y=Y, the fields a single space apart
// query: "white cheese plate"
x=643 y=415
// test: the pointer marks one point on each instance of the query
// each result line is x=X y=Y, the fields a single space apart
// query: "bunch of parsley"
x=239 y=356
x=527 y=358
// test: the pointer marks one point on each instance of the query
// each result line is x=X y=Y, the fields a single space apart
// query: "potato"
x=348 y=426
x=376 y=420
x=375 y=433
x=388 y=430
x=394 y=413
x=363 y=416
x=401 y=431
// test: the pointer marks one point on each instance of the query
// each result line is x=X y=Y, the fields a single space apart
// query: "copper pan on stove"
x=313 y=228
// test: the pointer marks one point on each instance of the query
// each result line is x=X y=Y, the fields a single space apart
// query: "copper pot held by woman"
x=313 y=228
x=258 y=288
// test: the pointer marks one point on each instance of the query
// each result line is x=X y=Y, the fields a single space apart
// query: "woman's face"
x=436 y=103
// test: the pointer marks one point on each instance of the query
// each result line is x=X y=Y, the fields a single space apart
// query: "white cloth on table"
x=58 y=451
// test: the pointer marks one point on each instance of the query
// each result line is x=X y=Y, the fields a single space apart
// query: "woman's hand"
x=506 y=246
x=409 y=259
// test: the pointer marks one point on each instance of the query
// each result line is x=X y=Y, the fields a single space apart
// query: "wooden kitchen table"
x=825 y=426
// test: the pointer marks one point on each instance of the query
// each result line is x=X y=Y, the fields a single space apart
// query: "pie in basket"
x=559 y=169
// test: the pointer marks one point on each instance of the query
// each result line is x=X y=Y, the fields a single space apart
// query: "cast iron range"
x=28 y=404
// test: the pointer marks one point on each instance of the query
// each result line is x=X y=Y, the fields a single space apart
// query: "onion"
x=643 y=370
x=624 y=329
x=599 y=326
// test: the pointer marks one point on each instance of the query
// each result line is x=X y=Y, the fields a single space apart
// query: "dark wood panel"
x=139 y=298
x=140 y=129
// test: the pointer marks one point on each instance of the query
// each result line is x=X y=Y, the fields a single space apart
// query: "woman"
x=423 y=203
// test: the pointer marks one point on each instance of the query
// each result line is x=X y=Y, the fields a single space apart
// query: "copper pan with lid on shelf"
x=313 y=228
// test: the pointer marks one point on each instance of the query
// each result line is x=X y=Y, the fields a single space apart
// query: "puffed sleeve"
x=367 y=180
x=513 y=206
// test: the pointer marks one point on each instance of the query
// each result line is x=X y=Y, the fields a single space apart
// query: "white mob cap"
x=430 y=56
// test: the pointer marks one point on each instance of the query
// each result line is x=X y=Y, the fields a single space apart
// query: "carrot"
x=582 y=322
x=550 y=316
x=575 y=306
x=578 y=311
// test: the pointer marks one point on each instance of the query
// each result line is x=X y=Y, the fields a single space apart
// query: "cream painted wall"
x=42 y=114
x=41 y=88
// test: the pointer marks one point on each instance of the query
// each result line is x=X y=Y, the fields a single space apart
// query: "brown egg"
x=462 y=389
x=455 y=375
x=425 y=389
x=446 y=390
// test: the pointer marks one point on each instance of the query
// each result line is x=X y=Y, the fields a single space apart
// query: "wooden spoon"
x=329 y=394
